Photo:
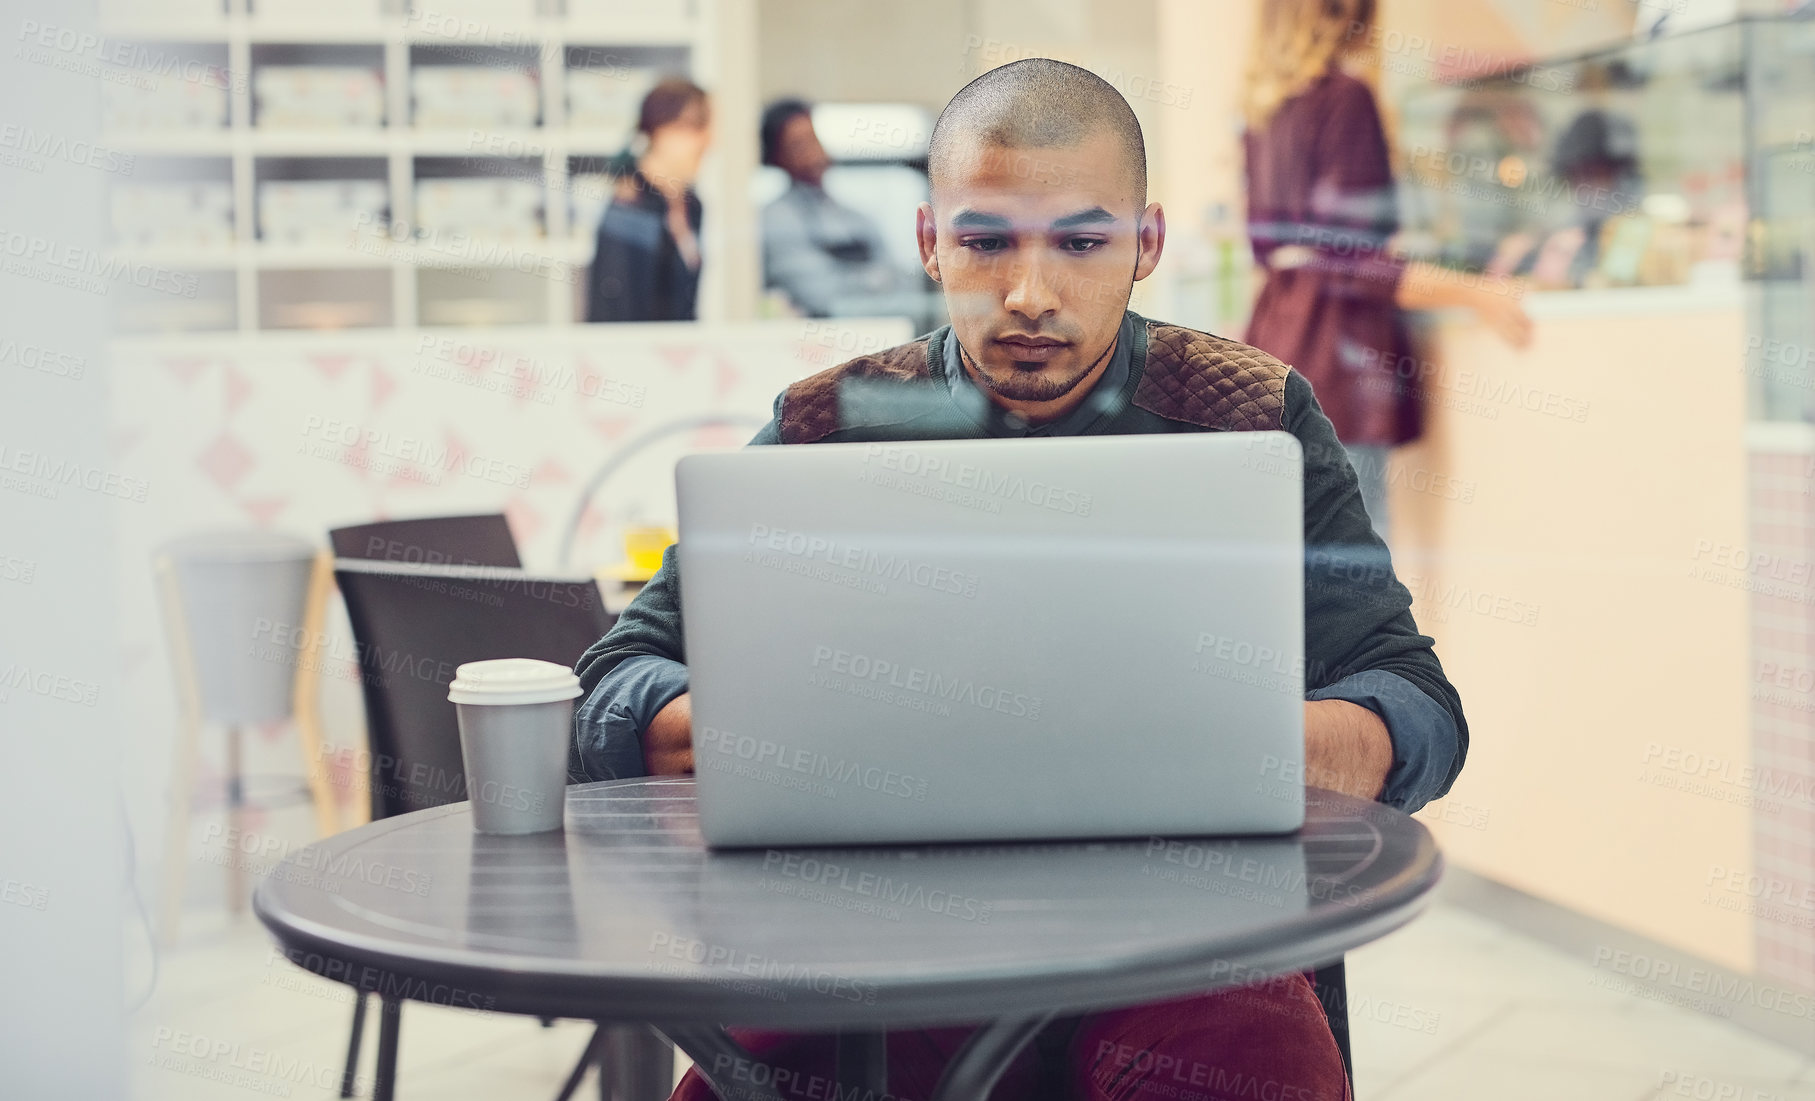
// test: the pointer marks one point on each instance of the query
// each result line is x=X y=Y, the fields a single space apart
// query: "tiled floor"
x=1453 y=1006
x=1514 y=1018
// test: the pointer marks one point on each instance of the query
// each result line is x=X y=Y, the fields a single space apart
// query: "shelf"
x=241 y=28
x=326 y=142
x=210 y=30
x=459 y=31
x=480 y=252
x=336 y=32
x=593 y=141
x=322 y=257
x=450 y=32
x=514 y=144
x=436 y=276
x=593 y=339
x=507 y=144
x=460 y=251
x=678 y=32
x=179 y=257
x=172 y=143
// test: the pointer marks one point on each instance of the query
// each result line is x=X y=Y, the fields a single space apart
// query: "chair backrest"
x=1331 y=985
x=482 y=540
x=413 y=625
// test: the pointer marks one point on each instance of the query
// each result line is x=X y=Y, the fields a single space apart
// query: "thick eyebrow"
x=1096 y=215
x=976 y=219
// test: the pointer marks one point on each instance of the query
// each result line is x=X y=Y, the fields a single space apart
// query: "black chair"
x=414 y=625
x=480 y=540
x=1331 y=985
x=483 y=540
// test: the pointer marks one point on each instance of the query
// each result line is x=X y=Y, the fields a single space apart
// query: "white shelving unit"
x=651 y=35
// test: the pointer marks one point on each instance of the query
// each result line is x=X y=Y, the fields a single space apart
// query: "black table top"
x=626 y=916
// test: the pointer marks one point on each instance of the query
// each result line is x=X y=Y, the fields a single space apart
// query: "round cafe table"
x=626 y=917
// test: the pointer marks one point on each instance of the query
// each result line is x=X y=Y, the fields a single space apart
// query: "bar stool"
x=243 y=615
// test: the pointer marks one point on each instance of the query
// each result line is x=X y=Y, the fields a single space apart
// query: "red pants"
x=1268 y=1042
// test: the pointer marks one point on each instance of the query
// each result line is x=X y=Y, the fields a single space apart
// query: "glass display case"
x=1686 y=160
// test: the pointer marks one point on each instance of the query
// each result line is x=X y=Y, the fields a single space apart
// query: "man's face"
x=1037 y=250
x=798 y=152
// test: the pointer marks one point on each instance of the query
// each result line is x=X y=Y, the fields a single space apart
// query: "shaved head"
x=1037 y=229
x=1037 y=103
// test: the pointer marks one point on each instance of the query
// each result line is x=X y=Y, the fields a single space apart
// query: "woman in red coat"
x=1321 y=214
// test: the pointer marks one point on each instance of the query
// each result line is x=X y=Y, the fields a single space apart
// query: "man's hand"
x=668 y=743
x=1347 y=748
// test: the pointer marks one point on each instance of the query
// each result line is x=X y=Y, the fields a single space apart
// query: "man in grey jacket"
x=827 y=258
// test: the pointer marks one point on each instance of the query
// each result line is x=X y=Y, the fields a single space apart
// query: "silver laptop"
x=989 y=640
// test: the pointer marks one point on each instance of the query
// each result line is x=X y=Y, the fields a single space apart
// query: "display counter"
x=1619 y=572
x=1588 y=484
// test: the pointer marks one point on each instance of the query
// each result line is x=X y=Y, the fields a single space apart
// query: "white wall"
x=64 y=707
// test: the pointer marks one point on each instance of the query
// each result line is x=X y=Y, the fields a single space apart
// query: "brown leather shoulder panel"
x=809 y=408
x=1208 y=380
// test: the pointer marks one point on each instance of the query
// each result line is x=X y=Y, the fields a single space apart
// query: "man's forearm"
x=668 y=740
x=1347 y=748
x=623 y=692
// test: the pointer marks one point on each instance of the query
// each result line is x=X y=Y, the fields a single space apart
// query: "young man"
x=1038 y=228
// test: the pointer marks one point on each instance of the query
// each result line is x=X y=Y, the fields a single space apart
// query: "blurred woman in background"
x=1321 y=213
x=646 y=266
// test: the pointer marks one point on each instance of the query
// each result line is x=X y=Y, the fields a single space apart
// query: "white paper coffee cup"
x=516 y=719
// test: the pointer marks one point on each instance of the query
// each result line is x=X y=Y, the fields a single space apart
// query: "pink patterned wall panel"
x=306 y=433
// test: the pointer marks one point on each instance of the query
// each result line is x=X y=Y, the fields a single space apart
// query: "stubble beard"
x=1023 y=382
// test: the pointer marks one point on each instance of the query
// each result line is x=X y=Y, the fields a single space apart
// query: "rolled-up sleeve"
x=1423 y=734
x=609 y=724
x=1361 y=642
x=637 y=669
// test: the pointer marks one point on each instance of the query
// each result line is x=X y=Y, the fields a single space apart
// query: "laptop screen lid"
x=978 y=640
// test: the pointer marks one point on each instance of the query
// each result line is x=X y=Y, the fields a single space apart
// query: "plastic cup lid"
x=512 y=680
